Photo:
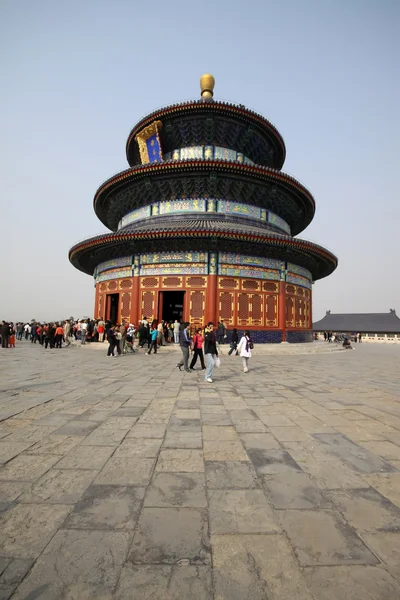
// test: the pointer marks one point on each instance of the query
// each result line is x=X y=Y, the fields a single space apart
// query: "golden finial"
x=207 y=83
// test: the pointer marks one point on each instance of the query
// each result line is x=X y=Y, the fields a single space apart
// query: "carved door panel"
x=257 y=309
x=148 y=304
x=226 y=307
x=197 y=307
x=271 y=310
x=289 y=311
x=243 y=317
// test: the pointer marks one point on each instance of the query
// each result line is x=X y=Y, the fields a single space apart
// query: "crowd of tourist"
x=55 y=334
x=331 y=336
x=202 y=343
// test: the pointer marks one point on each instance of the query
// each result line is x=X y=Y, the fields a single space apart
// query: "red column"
x=160 y=306
x=135 y=301
x=282 y=309
x=211 y=310
x=211 y=300
x=96 y=302
x=135 y=294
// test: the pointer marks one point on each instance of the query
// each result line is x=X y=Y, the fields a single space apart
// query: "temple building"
x=203 y=226
x=373 y=327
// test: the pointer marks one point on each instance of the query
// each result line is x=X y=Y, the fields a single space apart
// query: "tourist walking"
x=89 y=330
x=165 y=325
x=100 y=329
x=160 y=329
x=144 y=335
x=210 y=351
x=67 y=332
x=234 y=342
x=19 y=329
x=153 y=336
x=82 y=327
x=11 y=339
x=39 y=334
x=177 y=327
x=197 y=349
x=244 y=349
x=5 y=334
x=50 y=333
x=221 y=332
x=34 y=333
x=59 y=336
x=112 y=341
x=122 y=330
x=185 y=342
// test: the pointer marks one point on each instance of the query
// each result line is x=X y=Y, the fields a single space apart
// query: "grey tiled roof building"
x=359 y=322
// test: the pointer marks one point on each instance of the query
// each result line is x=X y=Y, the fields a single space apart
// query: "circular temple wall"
x=275 y=310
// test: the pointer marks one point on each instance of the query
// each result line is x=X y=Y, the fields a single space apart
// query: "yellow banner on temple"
x=149 y=143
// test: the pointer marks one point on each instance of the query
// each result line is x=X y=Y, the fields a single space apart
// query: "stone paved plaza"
x=126 y=479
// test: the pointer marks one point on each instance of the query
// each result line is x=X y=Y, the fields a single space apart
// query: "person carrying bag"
x=245 y=347
x=210 y=350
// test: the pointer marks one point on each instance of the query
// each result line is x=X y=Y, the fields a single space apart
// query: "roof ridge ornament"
x=207 y=83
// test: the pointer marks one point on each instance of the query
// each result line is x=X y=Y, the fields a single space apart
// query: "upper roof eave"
x=230 y=109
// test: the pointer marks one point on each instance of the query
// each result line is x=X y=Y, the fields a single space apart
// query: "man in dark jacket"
x=221 y=331
x=112 y=340
x=50 y=335
x=185 y=342
x=144 y=337
x=5 y=334
x=210 y=351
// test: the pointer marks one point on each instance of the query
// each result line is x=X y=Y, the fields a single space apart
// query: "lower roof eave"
x=86 y=255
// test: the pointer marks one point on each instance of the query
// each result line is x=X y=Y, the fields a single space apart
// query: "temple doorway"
x=112 y=308
x=171 y=305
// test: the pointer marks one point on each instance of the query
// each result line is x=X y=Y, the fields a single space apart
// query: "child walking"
x=153 y=334
x=11 y=340
x=244 y=349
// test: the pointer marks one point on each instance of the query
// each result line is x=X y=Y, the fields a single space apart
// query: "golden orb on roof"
x=207 y=83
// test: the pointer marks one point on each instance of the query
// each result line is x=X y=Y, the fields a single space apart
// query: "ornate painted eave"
x=110 y=215
x=201 y=107
x=87 y=254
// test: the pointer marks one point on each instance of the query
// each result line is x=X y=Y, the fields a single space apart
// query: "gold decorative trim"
x=143 y=136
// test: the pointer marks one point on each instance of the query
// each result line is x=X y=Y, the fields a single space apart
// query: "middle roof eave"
x=261 y=186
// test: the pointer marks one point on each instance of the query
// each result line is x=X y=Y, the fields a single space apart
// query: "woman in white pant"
x=244 y=350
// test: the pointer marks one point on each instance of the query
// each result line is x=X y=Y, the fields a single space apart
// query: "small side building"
x=374 y=327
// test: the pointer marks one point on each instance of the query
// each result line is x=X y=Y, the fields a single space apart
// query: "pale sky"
x=77 y=75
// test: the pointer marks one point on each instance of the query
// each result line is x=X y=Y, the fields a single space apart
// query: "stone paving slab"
x=124 y=479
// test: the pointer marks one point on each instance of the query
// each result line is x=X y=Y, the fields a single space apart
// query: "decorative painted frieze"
x=174 y=269
x=173 y=257
x=182 y=206
x=114 y=274
x=298 y=280
x=123 y=261
x=231 y=258
x=299 y=271
x=247 y=272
